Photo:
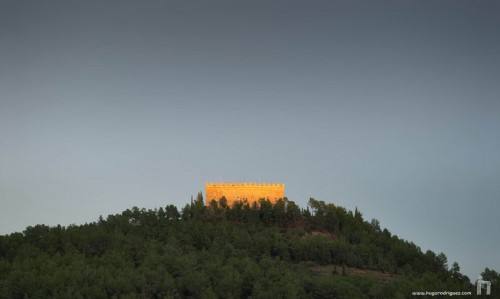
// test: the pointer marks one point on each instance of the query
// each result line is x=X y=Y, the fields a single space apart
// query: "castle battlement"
x=244 y=191
x=245 y=184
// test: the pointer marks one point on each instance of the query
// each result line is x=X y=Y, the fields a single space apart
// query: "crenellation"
x=246 y=191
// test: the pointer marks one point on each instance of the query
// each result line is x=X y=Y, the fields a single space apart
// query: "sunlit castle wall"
x=249 y=192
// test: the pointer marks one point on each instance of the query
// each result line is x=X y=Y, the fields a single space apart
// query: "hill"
x=244 y=251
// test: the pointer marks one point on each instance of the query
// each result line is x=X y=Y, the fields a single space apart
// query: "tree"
x=186 y=212
x=266 y=211
x=223 y=202
x=375 y=225
x=442 y=260
x=264 y=251
x=491 y=276
x=292 y=211
x=455 y=270
x=198 y=207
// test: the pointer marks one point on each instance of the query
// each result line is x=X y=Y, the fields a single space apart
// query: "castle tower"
x=249 y=192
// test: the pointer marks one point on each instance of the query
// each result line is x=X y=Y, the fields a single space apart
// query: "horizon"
x=203 y=192
x=389 y=107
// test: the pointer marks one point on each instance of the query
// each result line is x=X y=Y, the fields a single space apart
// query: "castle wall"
x=244 y=191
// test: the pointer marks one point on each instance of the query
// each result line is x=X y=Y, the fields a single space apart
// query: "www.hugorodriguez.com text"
x=441 y=293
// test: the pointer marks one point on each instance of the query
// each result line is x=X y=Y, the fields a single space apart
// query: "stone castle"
x=249 y=192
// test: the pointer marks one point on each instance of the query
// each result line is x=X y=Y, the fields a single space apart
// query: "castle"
x=249 y=192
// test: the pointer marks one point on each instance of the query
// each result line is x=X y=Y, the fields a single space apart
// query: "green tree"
x=172 y=213
x=455 y=270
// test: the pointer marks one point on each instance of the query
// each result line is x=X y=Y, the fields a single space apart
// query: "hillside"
x=258 y=251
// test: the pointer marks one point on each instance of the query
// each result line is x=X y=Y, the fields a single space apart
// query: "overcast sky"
x=389 y=106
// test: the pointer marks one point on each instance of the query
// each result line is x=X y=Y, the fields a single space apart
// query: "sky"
x=389 y=106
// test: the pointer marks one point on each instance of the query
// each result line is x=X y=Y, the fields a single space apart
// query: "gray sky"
x=389 y=106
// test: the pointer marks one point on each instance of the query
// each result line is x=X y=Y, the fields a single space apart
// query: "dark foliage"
x=244 y=251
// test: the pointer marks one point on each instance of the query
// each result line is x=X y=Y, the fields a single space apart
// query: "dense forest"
x=261 y=250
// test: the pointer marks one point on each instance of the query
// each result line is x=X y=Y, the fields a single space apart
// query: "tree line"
x=247 y=250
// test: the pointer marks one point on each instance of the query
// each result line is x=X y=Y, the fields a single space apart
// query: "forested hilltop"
x=244 y=251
